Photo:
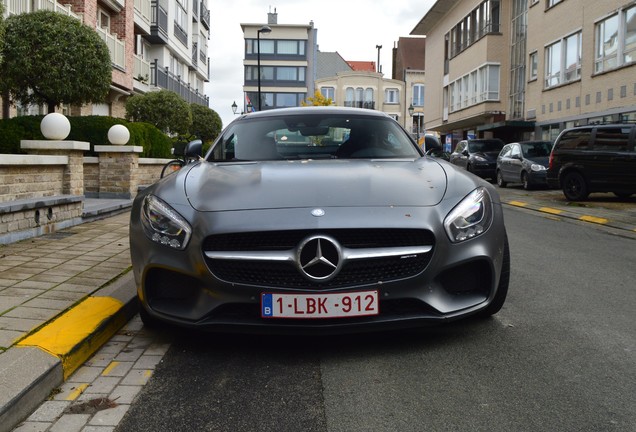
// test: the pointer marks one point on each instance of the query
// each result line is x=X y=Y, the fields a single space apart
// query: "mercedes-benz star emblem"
x=319 y=258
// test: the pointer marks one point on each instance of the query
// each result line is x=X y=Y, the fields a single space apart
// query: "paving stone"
x=125 y=394
x=109 y=417
x=49 y=411
x=85 y=374
x=70 y=423
x=19 y=324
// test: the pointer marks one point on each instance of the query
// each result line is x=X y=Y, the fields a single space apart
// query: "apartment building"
x=153 y=44
x=523 y=69
x=365 y=89
x=409 y=66
x=280 y=72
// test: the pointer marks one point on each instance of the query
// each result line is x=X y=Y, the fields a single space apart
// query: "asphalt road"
x=560 y=356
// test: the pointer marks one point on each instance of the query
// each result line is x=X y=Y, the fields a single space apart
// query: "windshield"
x=494 y=145
x=536 y=149
x=313 y=136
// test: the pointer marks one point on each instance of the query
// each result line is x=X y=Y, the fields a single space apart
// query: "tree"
x=206 y=123
x=163 y=108
x=53 y=59
x=317 y=100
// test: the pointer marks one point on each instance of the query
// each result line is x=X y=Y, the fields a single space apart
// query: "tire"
x=574 y=187
x=623 y=195
x=148 y=320
x=172 y=166
x=502 y=290
x=525 y=181
x=500 y=181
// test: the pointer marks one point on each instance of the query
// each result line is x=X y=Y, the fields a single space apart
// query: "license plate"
x=311 y=306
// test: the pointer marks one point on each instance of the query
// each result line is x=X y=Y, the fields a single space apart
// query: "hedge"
x=91 y=129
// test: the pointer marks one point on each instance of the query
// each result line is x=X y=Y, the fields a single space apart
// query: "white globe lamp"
x=55 y=126
x=118 y=134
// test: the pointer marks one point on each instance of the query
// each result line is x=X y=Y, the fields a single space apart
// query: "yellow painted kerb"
x=73 y=337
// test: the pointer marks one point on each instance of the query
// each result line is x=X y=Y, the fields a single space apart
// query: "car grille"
x=287 y=275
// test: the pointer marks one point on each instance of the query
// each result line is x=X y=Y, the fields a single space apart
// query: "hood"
x=489 y=156
x=541 y=160
x=328 y=183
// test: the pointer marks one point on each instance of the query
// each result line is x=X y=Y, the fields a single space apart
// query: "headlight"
x=162 y=224
x=471 y=217
x=480 y=158
x=537 y=167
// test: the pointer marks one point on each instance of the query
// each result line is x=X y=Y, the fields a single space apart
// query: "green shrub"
x=91 y=129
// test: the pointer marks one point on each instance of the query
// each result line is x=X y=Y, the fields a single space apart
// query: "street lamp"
x=264 y=29
x=417 y=128
x=234 y=107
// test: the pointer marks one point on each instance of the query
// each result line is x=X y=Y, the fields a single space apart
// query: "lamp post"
x=417 y=128
x=264 y=29
x=234 y=107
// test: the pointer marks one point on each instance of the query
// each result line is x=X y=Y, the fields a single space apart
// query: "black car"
x=524 y=162
x=594 y=158
x=478 y=156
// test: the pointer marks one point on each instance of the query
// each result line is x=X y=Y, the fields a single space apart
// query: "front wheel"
x=502 y=290
x=500 y=181
x=574 y=187
x=172 y=166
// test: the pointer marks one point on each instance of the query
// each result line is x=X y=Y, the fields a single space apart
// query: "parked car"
x=594 y=158
x=434 y=148
x=317 y=219
x=478 y=156
x=523 y=162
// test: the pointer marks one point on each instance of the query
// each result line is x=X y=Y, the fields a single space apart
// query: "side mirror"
x=193 y=149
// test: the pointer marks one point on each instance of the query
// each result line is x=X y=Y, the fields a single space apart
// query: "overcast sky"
x=353 y=28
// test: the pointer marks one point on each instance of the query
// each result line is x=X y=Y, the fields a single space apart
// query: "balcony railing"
x=141 y=69
x=162 y=77
x=158 y=23
x=116 y=48
x=195 y=54
x=180 y=34
x=143 y=9
x=15 y=7
x=205 y=16
x=195 y=9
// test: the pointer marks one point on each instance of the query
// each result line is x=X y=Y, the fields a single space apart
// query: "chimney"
x=272 y=18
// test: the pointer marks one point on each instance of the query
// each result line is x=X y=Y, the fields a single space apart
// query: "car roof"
x=276 y=112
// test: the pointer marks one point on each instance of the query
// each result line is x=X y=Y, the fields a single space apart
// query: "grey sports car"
x=317 y=219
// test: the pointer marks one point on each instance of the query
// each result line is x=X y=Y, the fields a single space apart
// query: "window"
x=368 y=99
x=272 y=46
x=563 y=61
x=550 y=3
x=534 y=66
x=478 y=86
x=181 y=14
x=350 y=97
x=103 y=20
x=328 y=93
x=482 y=20
x=612 y=138
x=391 y=96
x=418 y=95
x=615 y=43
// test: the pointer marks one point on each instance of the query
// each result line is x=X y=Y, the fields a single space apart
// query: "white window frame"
x=621 y=53
x=557 y=55
x=392 y=96
x=418 y=95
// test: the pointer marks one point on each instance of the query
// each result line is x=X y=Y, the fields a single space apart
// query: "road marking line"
x=110 y=367
x=551 y=210
x=518 y=203
x=77 y=392
x=594 y=219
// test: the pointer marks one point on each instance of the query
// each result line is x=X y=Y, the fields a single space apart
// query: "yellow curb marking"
x=77 y=392
x=518 y=203
x=551 y=210
x=62 y=336
x=594 y=219
x=110 y=367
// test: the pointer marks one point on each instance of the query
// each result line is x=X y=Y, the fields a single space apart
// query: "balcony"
x=180 y=34
x=16 y=7
x=163 y=78
x=158 y=24
x=205 y=16
x=141 y=69
x=195 y=10
x=195 y=55
x=143 y=10
x=116 y=48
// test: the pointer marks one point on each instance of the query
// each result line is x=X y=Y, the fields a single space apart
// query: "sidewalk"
x=65 y=294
